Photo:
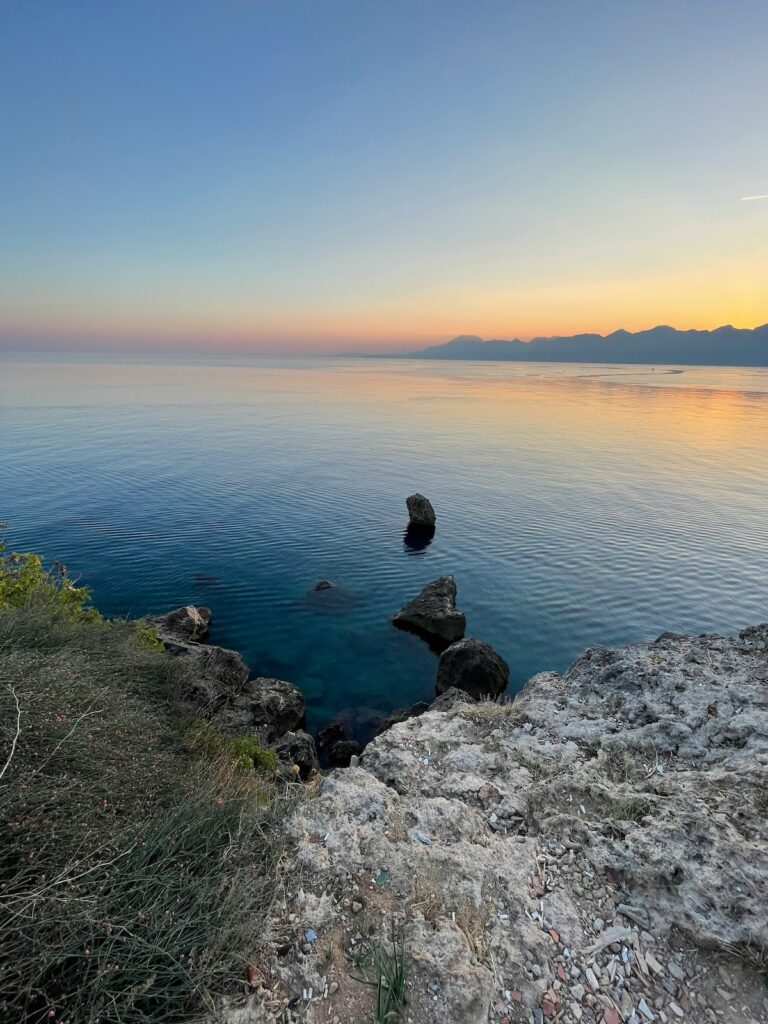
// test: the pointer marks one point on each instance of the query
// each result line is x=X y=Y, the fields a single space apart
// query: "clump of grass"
x=471 y=921
x=136 y=877
x=247 y=753
x=490 y=712
x=147 y=636
x=382 y=966
x=428 y=896
x=750 y=954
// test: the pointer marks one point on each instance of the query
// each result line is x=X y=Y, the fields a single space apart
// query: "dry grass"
x=488 y=712
x=471 y=921
x=135 y=880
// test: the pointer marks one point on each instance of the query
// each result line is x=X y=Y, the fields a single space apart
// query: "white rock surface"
x=632 y=791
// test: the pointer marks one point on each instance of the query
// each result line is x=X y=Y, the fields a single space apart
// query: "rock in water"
x=331 y=733
x=420 y=512
x=270 y=707
x=473 y=666
x=188 y=623
x=323 y=585
x=298 y=748
x=433 y=614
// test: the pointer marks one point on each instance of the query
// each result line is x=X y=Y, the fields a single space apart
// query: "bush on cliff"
x=136 y=877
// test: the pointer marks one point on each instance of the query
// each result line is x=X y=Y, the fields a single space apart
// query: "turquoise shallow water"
x=577 y=504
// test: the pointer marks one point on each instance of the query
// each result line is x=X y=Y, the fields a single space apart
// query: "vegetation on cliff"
x=138 y=856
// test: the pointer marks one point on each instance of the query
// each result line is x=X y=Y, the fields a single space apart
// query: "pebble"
x=653 y=963
x=592 y=981
x=676 y=971
x=356 y=907
x=578 y=992
x=645 y=1010
x=598 y=924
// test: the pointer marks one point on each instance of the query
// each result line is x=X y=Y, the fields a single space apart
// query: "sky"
x=290 y=176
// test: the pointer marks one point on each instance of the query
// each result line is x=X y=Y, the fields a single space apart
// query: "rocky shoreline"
x=594 y=851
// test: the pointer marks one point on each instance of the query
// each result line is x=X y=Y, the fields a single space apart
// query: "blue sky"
x=320 y=175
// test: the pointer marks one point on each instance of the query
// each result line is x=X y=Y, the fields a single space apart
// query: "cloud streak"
x=748 y=199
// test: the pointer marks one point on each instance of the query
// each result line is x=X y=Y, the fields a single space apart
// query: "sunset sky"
x=327 y=176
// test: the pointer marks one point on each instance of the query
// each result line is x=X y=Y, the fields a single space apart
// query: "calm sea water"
x=577 y=504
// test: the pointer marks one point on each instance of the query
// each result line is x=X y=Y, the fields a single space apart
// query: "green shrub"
x=24 y=578
x=146 y=635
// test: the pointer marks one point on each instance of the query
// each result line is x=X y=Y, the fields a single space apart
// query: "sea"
x=576 y=504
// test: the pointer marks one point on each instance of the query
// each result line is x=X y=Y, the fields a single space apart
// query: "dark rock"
x=420 y=511
x=298 y=748
x=212 y=675
x=331 y=733
x=473 y=666
x=418 y=538
x=270 y=707
x=673 y=638
x=188 y=623
x=323 y=585
x=448 y=700
x=342 y=751
x=402 y=715
x=433 y=614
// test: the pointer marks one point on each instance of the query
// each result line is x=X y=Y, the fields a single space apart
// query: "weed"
x=246 y=753
x=472 y=924
x=382 y=966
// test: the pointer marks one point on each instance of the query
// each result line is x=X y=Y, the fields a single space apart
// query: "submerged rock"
x=323 y=585
x=433 y=613
x=473 y=666
x=331 y=733
x=190 y=622
x=298 y=748
x=420 y=512
x=269 y=707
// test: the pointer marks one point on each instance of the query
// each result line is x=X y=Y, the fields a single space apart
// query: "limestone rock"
x=188 y=623
x=402 y=714
x=449 y=698
x=420 y=512
x=473 y=666
x=433 y=613
x=631 y=789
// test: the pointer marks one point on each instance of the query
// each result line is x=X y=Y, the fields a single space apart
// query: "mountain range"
x=724 y=346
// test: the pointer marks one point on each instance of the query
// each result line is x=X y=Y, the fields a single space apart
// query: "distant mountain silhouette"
x=725 y=346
